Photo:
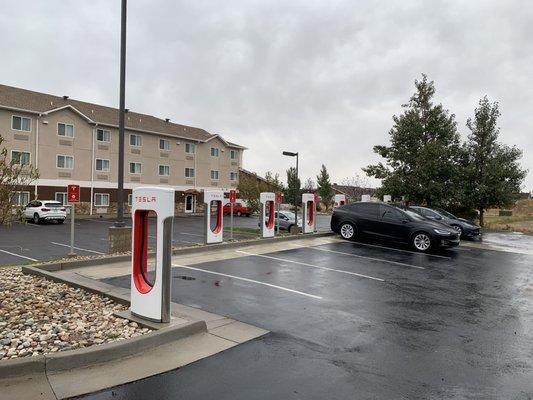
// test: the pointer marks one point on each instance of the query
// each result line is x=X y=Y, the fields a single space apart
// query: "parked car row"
x=420 y=227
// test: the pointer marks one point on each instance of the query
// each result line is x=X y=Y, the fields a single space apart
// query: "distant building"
x=353 y=193
x=75 y=142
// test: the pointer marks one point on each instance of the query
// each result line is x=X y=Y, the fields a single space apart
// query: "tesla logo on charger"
x=145 y=199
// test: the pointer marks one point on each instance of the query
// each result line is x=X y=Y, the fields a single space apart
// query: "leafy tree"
x=492 y=173
x=292 y=192
x=250 y=186
x=424 y=152
x=273 y=181
x=13 y=177
x=324 y=189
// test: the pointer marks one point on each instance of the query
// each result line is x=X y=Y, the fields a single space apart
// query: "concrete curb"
x=94 y=355
x=63 y=265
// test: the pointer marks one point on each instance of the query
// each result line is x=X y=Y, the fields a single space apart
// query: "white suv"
x=45 y=210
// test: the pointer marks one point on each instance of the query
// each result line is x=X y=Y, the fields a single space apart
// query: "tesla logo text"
x=145 y=199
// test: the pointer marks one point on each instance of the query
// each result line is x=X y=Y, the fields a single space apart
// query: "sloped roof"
x=36 y=102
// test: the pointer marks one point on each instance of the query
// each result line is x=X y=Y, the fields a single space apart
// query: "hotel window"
x=130 y=199
x=135 y=168
x=103 y=135
x=232 y=176
x=190 y=148
x=20 y=198
x=102 y=165
x=136 y=140
x=61 y=197
x=20 y=123
x=214 y=152
x=214 y=175
x=101 y=199
x=66 y=162
x=164 y=170
x=189 y=172
x=164 y=144
x=20 y=157
x=234 y=154
x=66 y=130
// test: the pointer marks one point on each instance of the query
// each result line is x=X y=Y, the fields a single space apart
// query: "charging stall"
x=309 y=212
x=339 y=200
x=267 y=218
x=150 y=291
x=214 y=199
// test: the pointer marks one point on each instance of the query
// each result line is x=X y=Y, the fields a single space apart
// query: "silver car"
x=286 y=220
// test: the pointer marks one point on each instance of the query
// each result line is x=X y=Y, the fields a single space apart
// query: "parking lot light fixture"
x=292 y=154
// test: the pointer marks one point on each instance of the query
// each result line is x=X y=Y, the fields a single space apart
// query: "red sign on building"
x=232 y=196
x=73 y=193
x=279 y=197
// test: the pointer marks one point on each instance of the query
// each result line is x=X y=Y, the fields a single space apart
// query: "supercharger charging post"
x=279 y=201
x=232 y=200
x=267 y=217
x=150 y=292
x=213 y=198
x=339 y=200
x=309 y=211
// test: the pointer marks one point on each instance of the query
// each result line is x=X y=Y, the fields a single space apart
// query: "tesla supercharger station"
x=268 y=211
x=214 y=235
x=387 y=198
x=150 y=294
x=339 y=200
x=309 y=211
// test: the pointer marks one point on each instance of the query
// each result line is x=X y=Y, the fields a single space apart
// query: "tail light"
x=45 y=209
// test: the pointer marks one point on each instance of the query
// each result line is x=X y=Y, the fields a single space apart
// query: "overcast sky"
x=319 y=77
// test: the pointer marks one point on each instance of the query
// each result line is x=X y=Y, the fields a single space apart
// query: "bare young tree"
x=15 y=175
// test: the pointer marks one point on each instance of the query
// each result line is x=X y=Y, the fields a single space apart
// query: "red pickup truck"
x=239 y=208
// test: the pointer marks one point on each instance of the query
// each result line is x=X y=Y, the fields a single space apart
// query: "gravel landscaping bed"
x=38 y=316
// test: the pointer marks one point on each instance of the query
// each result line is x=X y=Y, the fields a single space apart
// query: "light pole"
x=291 y=154
x=120 y=189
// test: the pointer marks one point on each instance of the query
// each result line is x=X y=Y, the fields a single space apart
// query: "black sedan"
x=388 y=222
x=464 y=227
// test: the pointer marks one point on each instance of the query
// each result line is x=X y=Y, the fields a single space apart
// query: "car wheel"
x=458 y=229
x=421 y=241
x=60 y=221
x=347 y=231
x=36 y=218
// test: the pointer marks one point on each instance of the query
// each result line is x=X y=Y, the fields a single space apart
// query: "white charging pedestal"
x=339 y=200
x=214 y=235
x=150 y=293
x=267 y=218
x=309 y=213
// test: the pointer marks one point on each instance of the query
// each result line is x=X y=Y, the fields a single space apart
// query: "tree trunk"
x=481 y=212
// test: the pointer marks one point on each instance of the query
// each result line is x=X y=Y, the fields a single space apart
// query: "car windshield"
x=413 y=215
x=445 y=213
x=53 y=204
x=288 y=214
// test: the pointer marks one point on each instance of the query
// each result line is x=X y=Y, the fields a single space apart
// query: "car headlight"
x=442 y=232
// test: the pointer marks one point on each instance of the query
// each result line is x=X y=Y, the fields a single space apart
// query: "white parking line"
x=401 y=250
x=77 y=248
x=367 y=258
x=191 y=234
x=312 y=266
x=18 y=255
x=249 y=280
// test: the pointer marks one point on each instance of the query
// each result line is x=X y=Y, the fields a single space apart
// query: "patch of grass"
x=245 y=230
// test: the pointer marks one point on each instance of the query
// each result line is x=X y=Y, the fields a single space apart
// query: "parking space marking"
x=191 y=234
x=77 y=248
x=249 y=280
x=394 y=249
x=342 y=271
x=368 y=258
x=18 y=255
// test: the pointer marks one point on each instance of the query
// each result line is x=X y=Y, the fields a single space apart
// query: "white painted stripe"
x=312 y=266
x=18 y=255
x=401 y=250
x=77 y=248
x=249 y=280
x=367 y=258
x=101 y=221
x=191 y=234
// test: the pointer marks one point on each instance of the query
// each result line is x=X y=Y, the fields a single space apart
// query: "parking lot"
x=26 y=243
x=356 y=320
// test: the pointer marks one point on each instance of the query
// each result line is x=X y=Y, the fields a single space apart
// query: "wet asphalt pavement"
x=458 y=325
x=26 y=243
